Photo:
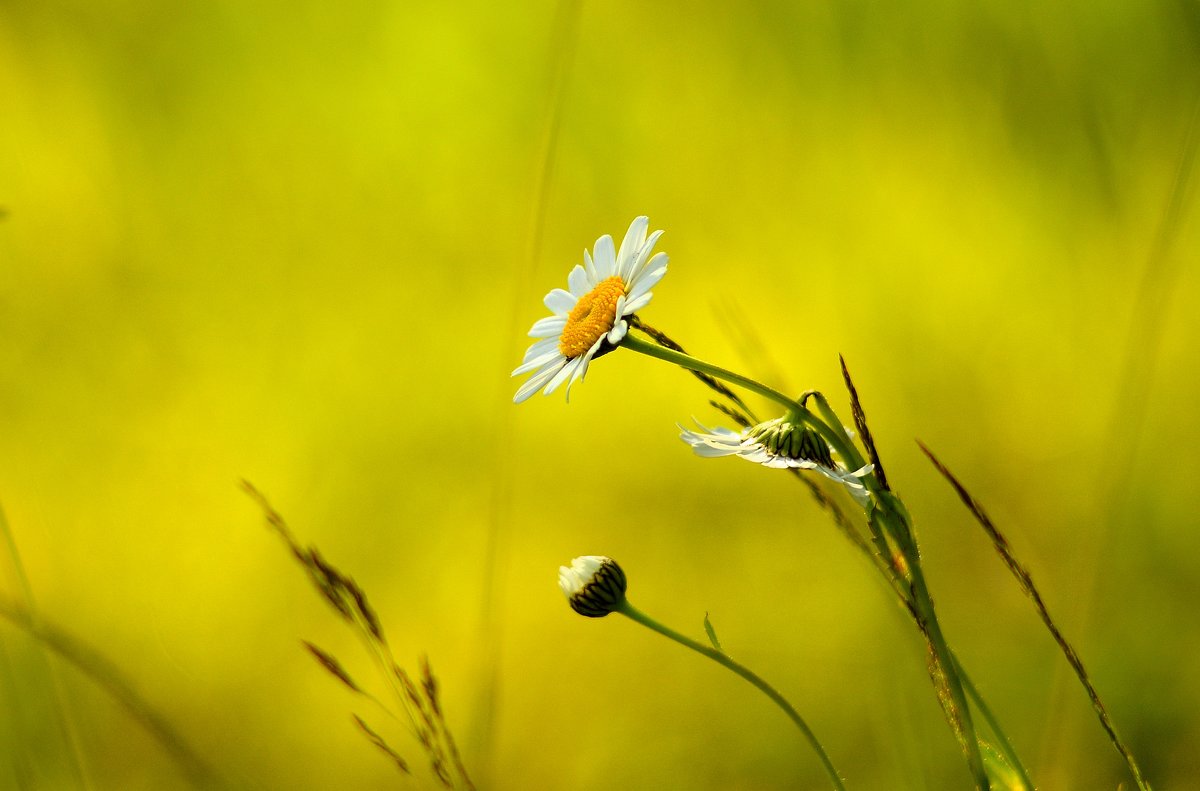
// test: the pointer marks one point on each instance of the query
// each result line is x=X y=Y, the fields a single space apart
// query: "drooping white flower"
x=590 y=317
x=779 y=444
x=594 y=585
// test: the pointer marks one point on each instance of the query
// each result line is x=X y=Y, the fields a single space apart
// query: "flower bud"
x=594 y=585
x=791 y=439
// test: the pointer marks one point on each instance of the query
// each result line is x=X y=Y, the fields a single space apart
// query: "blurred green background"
x=301 y=243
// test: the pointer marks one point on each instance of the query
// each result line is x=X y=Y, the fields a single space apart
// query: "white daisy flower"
x=590 y=317
x=594 y=585
x=779 y=444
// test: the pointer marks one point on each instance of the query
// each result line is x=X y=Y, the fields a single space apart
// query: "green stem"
x=1005 y=744
x=628 y=610
x=834 y=437
x=1006 y=747
x=105 y=675
x=897 y=526
x=58 y=702
x=903 y=594
x=892 y=513
x=855 y=459
x=692 y=364
x=830 y=417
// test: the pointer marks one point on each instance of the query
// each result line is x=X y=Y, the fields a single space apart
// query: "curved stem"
x=959 y=716
x=834 y=437
x=628 y=610
x=830 y=417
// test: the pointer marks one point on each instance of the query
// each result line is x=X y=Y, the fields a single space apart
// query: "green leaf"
x=712 y=634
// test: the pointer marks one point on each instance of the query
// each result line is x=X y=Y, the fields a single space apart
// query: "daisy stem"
x=904 y=594
x=1005 y=746
x=893 y=518
x=830 y=417
x=831 y=435
x=631 y=612
x=958 y=713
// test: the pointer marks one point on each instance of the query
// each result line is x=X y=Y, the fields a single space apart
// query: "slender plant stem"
x=1006 y=747
x=831 y=435
x=1025 y=581
x=830 y=417
x=108 y=678
x=960 y=713
x=62 y=713
x=1005 y=744
x=628 y=610
x=892 y=515
x=497 y=539
x=904 y=595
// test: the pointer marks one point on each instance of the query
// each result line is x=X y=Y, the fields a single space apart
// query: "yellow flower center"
x=591 y=318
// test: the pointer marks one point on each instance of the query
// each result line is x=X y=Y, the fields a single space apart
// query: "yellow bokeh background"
x=301 y=244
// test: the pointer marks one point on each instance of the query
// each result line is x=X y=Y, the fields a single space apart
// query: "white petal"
x=560 y=302
x=709 y=452
x=711 y=444
x=534 y=383
x=643 y=256
x=604 y=257
x=539 y=348
x=860 y=494
x=617 y=333
x=591 y=268
x=579 y=372
x=649 y=279
x=631 y=246
x=561 y=375
x=577 y=282
x=537 y=362
x=866 y=469
x=633 y=306
x=585 y=360
x=549 y=327
x=581 y=368
x=758 y=454
x=619 y=308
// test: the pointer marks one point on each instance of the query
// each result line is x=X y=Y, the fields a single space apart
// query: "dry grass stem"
x=860 y=422
x=383 y=746
x=331 y=663
x=1025 y=581
x=420 y=704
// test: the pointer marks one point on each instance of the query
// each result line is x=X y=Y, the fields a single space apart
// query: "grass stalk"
x=108 y=678
x=420 y=704
x=564 y=39
x=1025 y=581
x=944 y=672
x=888 y=521
x=1005 y=744
x=62 y=714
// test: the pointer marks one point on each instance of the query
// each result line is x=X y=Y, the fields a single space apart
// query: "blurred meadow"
x=301 y=244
